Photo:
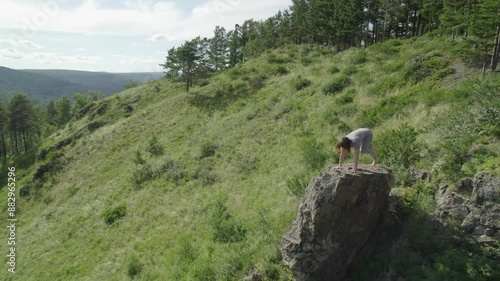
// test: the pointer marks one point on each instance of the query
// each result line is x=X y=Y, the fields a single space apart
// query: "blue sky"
x=113 y=36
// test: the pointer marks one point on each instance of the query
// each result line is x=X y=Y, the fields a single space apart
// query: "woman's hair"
x=343 y=142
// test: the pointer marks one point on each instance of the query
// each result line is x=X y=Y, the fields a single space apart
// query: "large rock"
x=339 y=213
x=486 y=188
x=478 y=215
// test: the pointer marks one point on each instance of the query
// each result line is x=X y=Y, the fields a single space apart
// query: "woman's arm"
x=341 y=157
x=356 y=159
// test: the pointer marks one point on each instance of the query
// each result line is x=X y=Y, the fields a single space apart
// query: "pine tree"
x=3 y=131
x=219 y=49
x=63 y=107
x=22 y=123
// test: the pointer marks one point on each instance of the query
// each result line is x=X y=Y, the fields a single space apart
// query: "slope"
x=157 y=184
x=108 y=83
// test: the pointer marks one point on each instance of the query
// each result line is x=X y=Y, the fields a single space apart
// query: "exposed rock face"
x=339 y=213
x=415 y=174
x=479 y=214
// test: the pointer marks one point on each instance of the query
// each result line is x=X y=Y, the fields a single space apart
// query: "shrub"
x=155 y=147
x=257 y=82
x=168 y=168
x=127 y=110
x=313 y=154
x=225 y=228
x=273 y=58
x=297 y=184
x=208 y=149
x=95 y=125
x=138 y=158
x=131 y=84
x=399 y=148
x=336 y=85
x=142 y=174
x=299 y=83
x=333 y=69
x=359 y=57
x=113 y=214
x=346 y=98
x=306 y=61
x=422 y=68
x=134 y=266
x=350 y=70
x=279 y=70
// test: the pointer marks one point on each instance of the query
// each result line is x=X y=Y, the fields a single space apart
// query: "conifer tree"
x=22 y=123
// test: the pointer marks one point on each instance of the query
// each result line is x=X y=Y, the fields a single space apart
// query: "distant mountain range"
x=42 y=85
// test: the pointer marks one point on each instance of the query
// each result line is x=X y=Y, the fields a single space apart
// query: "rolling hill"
x=44 y=85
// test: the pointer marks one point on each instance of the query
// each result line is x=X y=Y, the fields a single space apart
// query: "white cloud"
x=159 y=37
x=135 y=59
x=139 y=18
x=44 y=58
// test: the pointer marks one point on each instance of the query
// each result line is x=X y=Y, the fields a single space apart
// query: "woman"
x=361 y=140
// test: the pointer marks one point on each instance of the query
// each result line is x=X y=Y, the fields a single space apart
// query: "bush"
x=336 y=85
x=155 y=147
x=306 y=61
x=299 y=83
x=346 y=98
x=208 y=149
x=131 y=84
x=273 y=58
x=168 y=168
x=359 y=57
x=350 y=70
x=333 y=69
x=313 y=154
x=399 y=148
x=134 y=266
x=297 y=184
x=142 y=174
x=279 y=70
x=421 y=68
x=127 y=110
x=225 y=228
x=113 y=214
x=138 y=158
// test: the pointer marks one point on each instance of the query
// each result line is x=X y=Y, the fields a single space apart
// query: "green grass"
x=233 y=154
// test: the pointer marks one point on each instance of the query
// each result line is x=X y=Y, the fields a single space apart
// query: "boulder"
x=415 y=174
x=338 y=215
x=486 y=188
x=450 y=204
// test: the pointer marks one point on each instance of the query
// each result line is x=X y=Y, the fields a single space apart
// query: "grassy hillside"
x=157 y=184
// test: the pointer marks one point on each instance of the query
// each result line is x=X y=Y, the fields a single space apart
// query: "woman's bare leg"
x=373 y=154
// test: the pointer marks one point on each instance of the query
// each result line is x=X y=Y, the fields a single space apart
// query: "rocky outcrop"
x=415 y=174
x=337 y=219
x=478 y=214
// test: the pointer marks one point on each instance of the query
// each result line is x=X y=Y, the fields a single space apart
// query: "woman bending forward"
x=361 y=140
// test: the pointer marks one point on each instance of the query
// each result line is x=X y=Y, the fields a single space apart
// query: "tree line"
x=342 y=24
x=23 y=124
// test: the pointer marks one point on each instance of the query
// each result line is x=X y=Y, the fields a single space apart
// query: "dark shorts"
x=366 y=144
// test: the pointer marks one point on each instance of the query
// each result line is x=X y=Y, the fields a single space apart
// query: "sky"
x=113 y=36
